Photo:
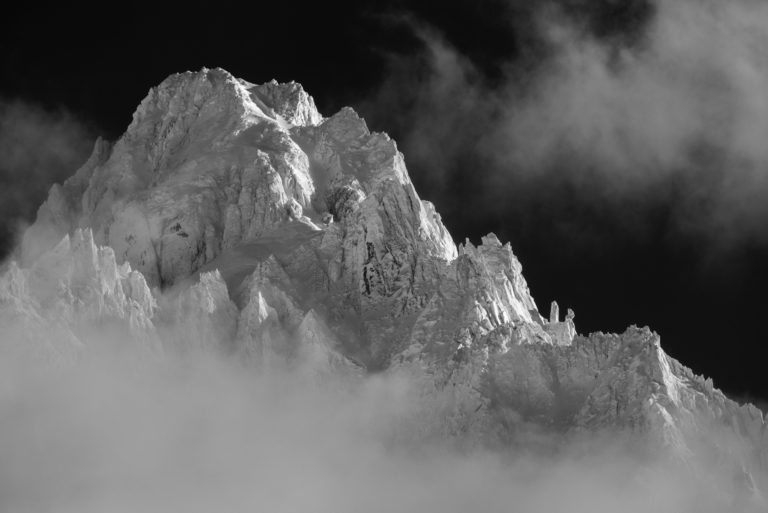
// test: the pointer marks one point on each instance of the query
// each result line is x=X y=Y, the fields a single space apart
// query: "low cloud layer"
x=202 y=433
x=99 y=413
x=38 y=147
x=679 y=113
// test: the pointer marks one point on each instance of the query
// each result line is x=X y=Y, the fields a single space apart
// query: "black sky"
x=615 y=259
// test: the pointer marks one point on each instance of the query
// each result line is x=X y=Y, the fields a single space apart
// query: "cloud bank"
x=203 y=433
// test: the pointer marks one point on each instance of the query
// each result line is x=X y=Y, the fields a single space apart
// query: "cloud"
x=696 y=80
x=38 y=147
x=677 y=115
x=204 y=433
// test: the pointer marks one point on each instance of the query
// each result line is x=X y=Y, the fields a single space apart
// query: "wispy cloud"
x=38 y=147
x=678 y=114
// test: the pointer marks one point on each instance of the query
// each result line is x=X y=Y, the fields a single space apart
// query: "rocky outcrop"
x=562 y=333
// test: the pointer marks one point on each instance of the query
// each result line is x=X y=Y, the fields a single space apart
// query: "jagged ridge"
x=284 y=236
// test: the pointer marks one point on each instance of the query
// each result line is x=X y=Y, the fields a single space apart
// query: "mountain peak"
x=280 y=232
x=288 y=100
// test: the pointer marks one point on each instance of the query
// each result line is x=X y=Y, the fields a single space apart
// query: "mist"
x=204 y=431
x=674 y=117
x=39 y=146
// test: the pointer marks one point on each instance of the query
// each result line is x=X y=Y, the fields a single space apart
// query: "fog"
x=198 y=431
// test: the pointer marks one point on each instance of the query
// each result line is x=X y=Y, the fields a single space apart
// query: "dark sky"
x=624 y=166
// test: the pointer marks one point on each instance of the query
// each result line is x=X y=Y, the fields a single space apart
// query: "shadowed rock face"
x=283 y=236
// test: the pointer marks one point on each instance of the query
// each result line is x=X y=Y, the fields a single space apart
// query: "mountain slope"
x=286 y=237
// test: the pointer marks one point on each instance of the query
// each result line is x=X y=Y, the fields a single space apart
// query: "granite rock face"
x=288 y=238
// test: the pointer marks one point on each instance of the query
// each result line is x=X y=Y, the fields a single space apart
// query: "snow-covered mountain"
x=240 y=216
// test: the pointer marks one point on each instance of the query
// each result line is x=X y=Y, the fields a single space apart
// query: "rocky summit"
x=270 y=232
